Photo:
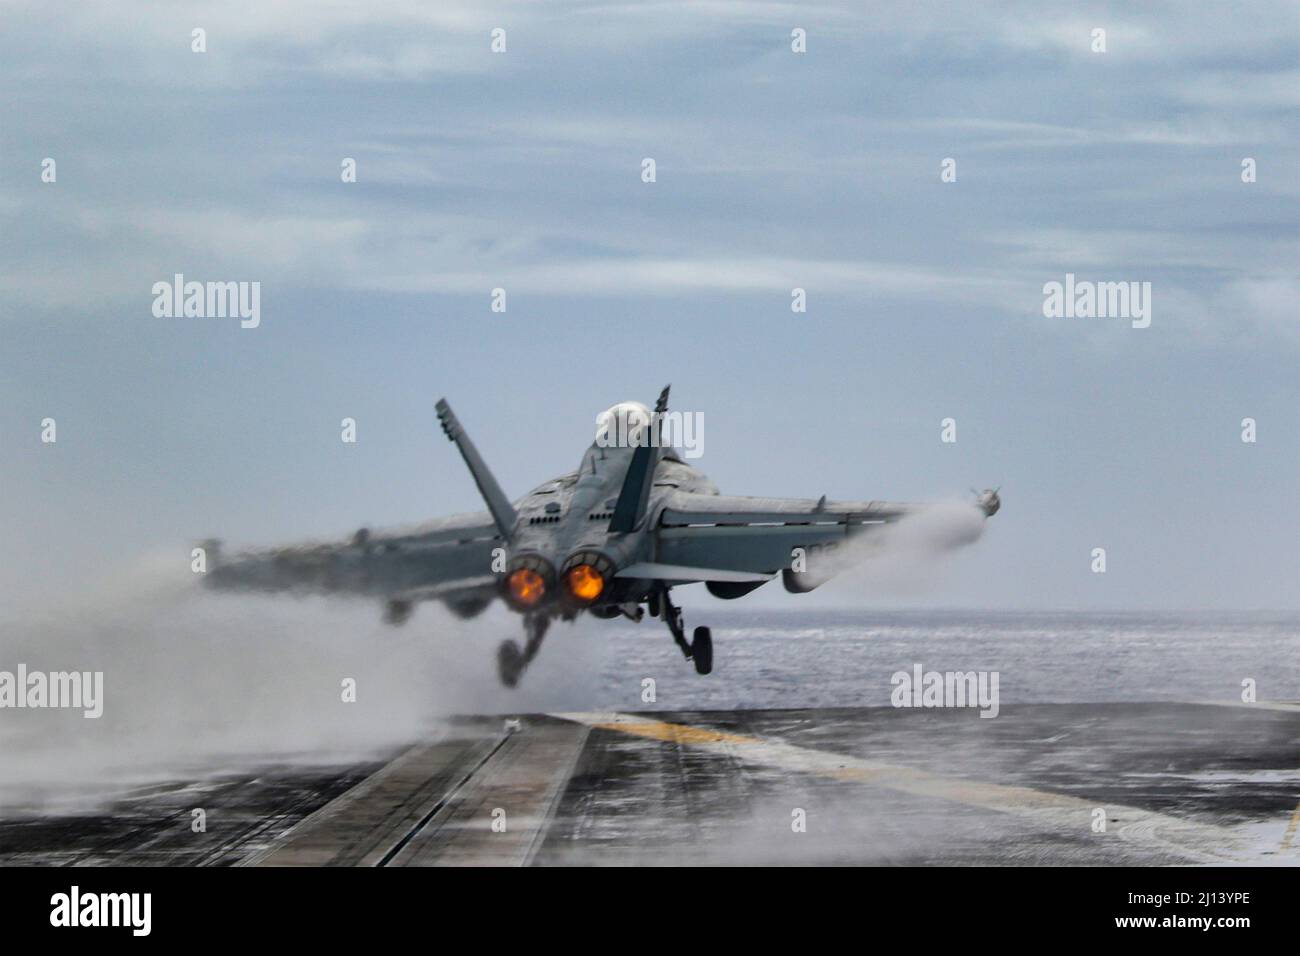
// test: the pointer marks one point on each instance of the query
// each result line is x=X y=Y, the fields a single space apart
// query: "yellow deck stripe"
x=1291 y=828
x=1200 y=841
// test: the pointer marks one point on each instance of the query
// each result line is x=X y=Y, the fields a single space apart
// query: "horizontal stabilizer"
x=679 y=572
x=446 y=588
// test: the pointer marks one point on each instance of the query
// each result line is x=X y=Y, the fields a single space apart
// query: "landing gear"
x=509 y=666
x=397 y=612
x=700 y=650
x=511 y=662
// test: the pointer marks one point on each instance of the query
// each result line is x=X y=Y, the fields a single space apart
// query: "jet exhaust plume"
x=197 y=683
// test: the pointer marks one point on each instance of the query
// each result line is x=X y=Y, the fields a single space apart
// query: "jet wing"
x=734 y=534
x=448 y=559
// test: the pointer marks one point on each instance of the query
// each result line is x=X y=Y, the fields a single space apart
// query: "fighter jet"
x=611 y=539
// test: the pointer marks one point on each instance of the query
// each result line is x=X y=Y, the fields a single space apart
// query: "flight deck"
x=1077 y=784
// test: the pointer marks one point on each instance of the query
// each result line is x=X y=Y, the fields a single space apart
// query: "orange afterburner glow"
x=584 y=582
x=527 y=587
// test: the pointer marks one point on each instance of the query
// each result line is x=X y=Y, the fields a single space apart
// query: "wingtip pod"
x=447 y=419
x=989 y=502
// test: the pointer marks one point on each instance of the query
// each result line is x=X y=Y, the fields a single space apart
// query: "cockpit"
x=625 y=425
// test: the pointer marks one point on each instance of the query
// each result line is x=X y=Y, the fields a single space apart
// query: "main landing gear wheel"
x=512 y=662
x=702 y=650
x=699 y=651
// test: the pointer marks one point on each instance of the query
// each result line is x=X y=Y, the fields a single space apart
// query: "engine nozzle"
x=529 y=582
x=586 y=578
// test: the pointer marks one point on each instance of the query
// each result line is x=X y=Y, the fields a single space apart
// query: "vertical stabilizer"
x=498 y=504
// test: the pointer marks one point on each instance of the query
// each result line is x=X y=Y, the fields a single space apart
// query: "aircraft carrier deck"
x=1176 y=783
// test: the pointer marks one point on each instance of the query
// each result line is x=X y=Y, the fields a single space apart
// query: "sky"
x=774 y=170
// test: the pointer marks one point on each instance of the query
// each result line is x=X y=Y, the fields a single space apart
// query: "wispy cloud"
x=775 y=171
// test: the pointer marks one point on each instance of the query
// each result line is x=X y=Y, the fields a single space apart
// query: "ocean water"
x=788 y=658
